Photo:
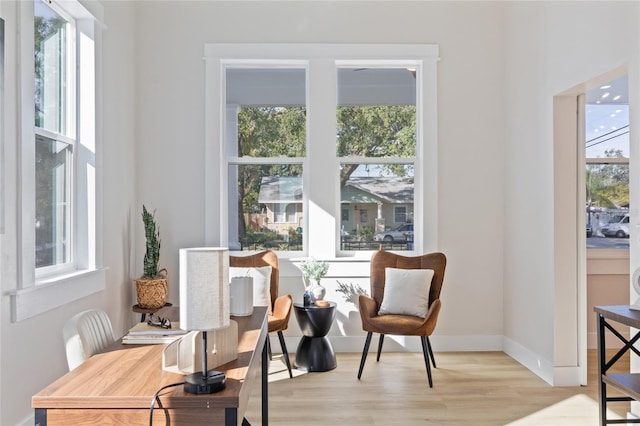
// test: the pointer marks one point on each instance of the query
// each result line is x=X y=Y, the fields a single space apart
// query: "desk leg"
x=265 y=385
x=602 y=389
x=40 y=417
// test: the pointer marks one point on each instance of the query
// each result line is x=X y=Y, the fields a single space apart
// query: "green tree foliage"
x=44 y=29
x=608 y=184
x=376 y=131
x=362 y=131
x=267 y=132
x=272 y=132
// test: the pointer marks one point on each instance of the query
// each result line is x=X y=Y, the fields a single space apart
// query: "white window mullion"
x=321 y=166
x=426 y=177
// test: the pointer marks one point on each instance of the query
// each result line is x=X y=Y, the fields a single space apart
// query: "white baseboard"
x=347 y=344
x=555 y=376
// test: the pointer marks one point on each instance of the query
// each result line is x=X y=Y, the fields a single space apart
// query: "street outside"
x=608 y=243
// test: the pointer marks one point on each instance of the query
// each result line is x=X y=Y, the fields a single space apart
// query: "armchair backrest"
x=256 y=260
x=383 y=259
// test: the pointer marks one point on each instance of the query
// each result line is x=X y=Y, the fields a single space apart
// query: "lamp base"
x=197 y=383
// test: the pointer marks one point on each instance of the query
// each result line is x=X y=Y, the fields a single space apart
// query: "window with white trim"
x=332 y=97
x=59 y=44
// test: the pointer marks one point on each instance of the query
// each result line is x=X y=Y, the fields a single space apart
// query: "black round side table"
x=315 y=352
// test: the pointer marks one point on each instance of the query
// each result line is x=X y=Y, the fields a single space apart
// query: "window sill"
x=55 y=292
x=607 y=262
x=607 y=254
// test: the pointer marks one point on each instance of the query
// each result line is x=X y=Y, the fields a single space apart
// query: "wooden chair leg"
x=367 y=342
x=285 y=353
x=380 y=346
x=433 y=360
x=425 y=351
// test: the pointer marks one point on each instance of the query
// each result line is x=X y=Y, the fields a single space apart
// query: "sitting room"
x=454 y=137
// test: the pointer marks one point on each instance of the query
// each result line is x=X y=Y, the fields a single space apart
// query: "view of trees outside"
x=363 y=131
x=368 y=204
x=608 y=184
x=50 y=68
x=52 y=158
x=269 y=132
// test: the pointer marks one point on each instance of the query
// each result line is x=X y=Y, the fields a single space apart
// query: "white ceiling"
x=607 y=118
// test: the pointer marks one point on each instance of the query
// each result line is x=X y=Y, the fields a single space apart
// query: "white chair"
x=86 y=334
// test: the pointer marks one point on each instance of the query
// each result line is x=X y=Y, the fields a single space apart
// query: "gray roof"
x=359 y=189
x=389 y=189
x=278 y=189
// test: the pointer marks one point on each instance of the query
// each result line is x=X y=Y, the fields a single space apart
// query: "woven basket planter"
x=152 y=293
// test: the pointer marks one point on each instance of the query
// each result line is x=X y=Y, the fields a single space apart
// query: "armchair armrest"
x=368 y=308
x=282 y=306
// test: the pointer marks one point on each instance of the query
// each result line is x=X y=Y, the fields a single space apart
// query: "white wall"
x=32 y=350
x=171 y=126
x=552 y=46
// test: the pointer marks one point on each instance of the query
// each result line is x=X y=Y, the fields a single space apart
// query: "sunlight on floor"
x=278 y=369
x=555 y=415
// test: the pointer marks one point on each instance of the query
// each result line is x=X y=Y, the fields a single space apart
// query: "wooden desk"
x=116 y=387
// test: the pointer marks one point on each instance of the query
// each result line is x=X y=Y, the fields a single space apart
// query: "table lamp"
x=204 y=306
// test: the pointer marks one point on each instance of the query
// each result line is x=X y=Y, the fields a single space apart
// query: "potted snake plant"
x=152 y=288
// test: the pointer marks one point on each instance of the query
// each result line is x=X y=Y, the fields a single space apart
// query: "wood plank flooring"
x=469 y=388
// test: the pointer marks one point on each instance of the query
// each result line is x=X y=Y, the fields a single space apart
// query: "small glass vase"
x=317 y=291
x=307 y=291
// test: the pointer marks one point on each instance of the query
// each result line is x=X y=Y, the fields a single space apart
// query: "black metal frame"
x=427 y=352
x=604 y=365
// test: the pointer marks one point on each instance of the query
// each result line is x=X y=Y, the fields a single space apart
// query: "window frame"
x=65 y=134
x=322 y=207
x=40 y=291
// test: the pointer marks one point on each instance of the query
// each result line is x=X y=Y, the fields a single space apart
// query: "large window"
x=376 y=147
x=265 y=147
x=57 y=225
x=325 y=150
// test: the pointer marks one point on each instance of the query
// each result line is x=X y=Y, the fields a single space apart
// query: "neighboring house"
x=282 y=197
x=376 y=202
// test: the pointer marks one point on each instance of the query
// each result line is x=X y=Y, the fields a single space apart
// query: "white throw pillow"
x=261 y=283
x=406 y=292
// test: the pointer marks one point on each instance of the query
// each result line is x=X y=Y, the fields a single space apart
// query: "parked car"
x=397 y=234
x=618 y=226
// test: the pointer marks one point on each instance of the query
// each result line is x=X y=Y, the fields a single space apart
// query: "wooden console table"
x=117 y=387
x=627 y=383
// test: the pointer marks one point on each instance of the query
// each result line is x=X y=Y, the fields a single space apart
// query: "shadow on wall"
x=350 y=324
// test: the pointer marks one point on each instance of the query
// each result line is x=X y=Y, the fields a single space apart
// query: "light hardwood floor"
x=469 y=388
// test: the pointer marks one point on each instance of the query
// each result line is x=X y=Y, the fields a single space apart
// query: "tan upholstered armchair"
x=405 y=325
x=280 y=305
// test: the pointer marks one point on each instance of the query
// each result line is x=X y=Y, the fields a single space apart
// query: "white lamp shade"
x=204 y=288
